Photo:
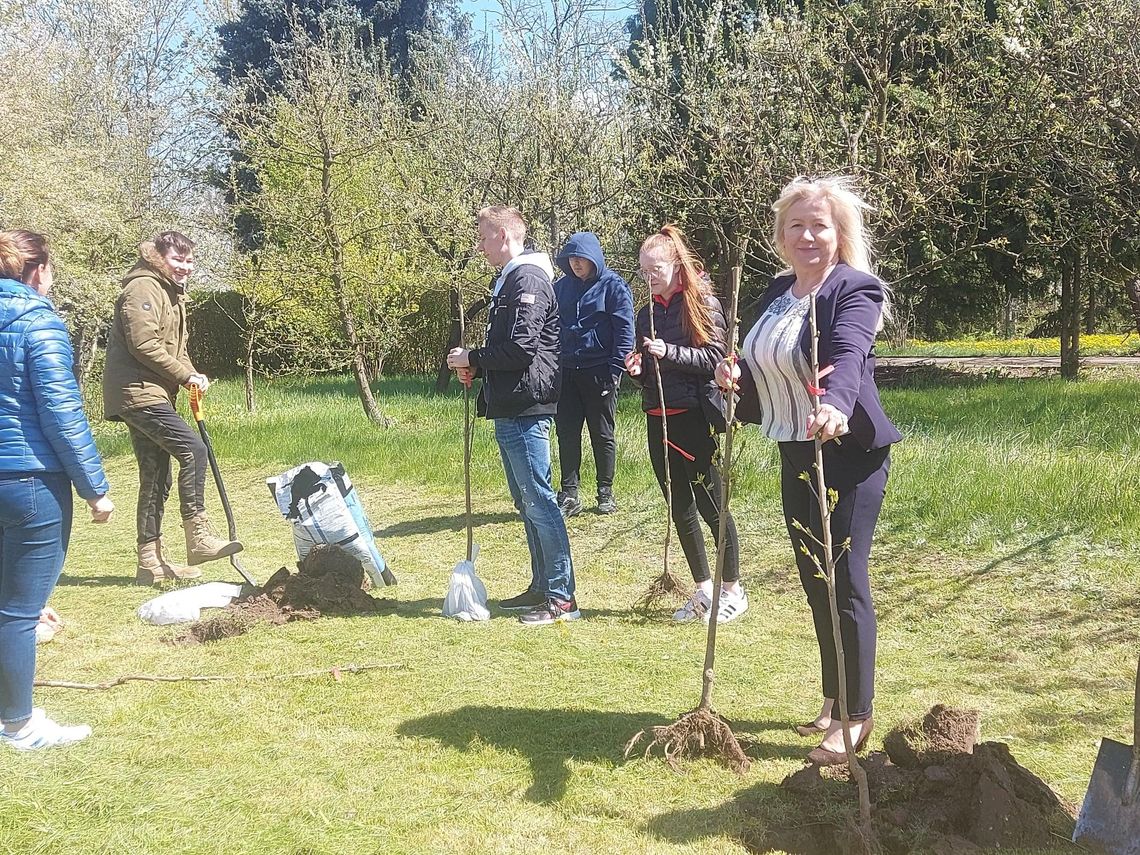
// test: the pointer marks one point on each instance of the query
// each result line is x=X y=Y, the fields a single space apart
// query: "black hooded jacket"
x=519 y=363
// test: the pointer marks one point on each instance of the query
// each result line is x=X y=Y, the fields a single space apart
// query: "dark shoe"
x=606 y=502
x=569 y=504
x=528 y=599
x=822 y=757
x=552 y=611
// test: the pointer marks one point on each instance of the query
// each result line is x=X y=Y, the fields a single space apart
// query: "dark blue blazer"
x=848 y=307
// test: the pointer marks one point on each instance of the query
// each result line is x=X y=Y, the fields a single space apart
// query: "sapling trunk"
x=466 y=434
x=828 y=572
x=725 y=494
x=702 y=731
x=667 y=584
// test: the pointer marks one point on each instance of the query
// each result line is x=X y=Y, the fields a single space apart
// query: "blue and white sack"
x=321 y=503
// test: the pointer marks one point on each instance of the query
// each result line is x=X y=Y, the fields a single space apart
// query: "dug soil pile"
x=934 y=789
x=329 y=582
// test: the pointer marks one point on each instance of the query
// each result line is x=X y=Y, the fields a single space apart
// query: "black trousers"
x=860 y=479
x=157 y=434
x=588 y=395
x=696 y=489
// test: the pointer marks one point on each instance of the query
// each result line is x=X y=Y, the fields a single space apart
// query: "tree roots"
x=664 y=588
x=699 y=733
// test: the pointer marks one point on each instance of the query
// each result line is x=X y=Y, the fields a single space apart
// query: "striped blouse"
x=772 y=352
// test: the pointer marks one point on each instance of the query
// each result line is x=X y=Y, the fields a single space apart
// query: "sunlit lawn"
x=1005 y=574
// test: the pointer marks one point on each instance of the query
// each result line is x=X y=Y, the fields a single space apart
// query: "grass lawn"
x=1005 y=575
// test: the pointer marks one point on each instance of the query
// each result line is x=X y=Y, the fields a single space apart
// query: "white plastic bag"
x=186 y=604
x=466 y=595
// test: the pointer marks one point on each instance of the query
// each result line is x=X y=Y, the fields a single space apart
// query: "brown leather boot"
x=203 y=545
x=153 y=569
x=173 y=570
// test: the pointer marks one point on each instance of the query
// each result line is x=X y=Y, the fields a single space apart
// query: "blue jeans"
x=35 y=526
x=524 y=444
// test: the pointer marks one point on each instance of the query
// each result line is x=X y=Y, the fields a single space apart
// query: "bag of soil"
x=321 y=503
x=466 y=596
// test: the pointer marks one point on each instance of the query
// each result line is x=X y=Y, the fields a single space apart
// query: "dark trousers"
x=696 y=489
x=860 y=479
x=589 y=396
x=35 y=525
x=157 y=434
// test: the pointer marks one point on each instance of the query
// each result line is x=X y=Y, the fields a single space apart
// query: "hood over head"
x=583 y=245
x=152 y=263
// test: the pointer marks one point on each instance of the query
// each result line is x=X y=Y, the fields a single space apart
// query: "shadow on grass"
x=433 y=525
x=960 y=586
x=68 y=579
x=432 y=607
x=547 y=738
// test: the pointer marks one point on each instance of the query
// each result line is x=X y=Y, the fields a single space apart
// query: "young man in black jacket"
x=519 y=365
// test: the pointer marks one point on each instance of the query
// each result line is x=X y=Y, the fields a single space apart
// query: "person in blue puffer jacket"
x=596 y=309
x=45 y=447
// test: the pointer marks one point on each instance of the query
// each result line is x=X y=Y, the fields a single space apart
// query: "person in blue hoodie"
x=45 y=447
x=596 y=309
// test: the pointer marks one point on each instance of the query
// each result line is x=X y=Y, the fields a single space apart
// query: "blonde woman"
x=819 y=233
x=689 y=342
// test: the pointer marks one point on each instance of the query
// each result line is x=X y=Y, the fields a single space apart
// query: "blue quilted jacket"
x=42 y=425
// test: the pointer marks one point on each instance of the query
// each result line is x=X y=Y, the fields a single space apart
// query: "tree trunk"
x=336 y=249
x=1132 y=287
x=1070 y=314
x=1091 y=310
x=250 y=403
x=455 y=335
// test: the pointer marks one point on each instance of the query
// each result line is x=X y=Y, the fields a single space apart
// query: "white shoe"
x=41 y=732
x=730 y=607
x=697 y=607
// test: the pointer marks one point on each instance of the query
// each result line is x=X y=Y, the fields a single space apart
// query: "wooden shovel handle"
x=1132 y=782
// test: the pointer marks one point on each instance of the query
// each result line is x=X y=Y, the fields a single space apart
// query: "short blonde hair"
x=847 y=208
x=504 y=217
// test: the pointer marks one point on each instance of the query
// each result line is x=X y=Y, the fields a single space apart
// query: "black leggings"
x=157 y=434
x=588 y=396
x=860 y=479
x=696 y=489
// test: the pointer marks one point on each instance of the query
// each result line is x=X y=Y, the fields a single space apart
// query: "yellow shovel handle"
x=196 y=402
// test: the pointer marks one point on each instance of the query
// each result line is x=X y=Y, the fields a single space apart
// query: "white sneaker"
x=41 y=732
x=698 y=606
x=730 y=607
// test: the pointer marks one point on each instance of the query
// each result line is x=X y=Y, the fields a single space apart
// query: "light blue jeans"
x=35 y=524
x=524 y=444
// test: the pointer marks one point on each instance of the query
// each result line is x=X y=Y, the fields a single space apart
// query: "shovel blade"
x=1105 y=823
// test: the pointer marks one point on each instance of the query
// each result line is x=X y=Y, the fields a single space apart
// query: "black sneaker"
x=607 y=504
x=551 y=611
x=569 y=504
x=528 y=599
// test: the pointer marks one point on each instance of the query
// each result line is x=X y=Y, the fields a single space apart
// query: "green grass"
x=1004 y=576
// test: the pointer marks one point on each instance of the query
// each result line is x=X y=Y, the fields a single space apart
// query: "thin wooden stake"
x=821 y=494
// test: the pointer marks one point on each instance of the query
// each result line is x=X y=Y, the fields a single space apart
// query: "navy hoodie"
x=596 y=314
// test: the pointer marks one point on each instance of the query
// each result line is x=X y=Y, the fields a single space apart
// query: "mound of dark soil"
x=934 y=789
x=329 y=581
